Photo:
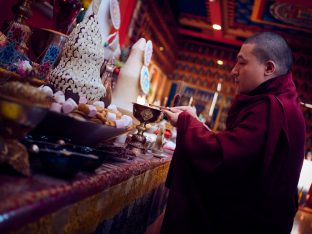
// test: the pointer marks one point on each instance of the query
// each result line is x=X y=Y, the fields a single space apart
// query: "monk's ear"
x=270 y=68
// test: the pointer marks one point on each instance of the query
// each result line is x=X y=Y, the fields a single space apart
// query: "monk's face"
x=248 y=72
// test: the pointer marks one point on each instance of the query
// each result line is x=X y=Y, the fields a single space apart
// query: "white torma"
x=112 y=50
x=127 y=88
x=82 y=58
x=101 y=8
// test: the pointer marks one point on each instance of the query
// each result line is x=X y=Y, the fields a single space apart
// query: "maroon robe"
x=243 y=179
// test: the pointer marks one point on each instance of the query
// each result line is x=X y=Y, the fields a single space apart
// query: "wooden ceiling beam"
x=208 y=37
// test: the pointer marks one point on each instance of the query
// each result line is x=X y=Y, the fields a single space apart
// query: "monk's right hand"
x=172 y=113
x=189 y=109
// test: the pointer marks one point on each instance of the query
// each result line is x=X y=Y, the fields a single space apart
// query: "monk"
x=243 y=179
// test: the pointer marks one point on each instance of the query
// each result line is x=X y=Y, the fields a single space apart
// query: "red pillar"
x=126 y=12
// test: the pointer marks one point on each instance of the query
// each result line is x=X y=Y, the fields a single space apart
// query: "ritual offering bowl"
x=46 y=45
x=145 y=115
x=16 y=119
x=21 y=109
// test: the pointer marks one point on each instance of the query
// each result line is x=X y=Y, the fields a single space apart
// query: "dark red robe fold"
x=243 y=179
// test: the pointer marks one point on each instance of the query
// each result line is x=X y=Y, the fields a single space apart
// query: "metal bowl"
x=79 y=132
x=44 y=39
x=145 y=114
x=17 y=118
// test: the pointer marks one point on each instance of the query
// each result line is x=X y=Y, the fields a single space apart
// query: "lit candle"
x=141 y=99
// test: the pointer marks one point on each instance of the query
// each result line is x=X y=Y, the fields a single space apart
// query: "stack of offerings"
x=80 y=108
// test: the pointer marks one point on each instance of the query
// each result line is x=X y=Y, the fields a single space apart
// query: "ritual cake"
x=83 y=55
x=127 y=88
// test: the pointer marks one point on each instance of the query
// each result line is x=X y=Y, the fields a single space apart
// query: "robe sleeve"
x=232 y=150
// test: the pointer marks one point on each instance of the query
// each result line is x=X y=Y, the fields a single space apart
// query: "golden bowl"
x=17 y=118
x=145 y=114
x=42 y=39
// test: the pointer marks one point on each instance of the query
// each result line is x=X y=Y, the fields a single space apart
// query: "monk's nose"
x=234 y=72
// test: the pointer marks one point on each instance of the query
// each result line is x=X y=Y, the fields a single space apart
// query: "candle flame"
x=141 y=100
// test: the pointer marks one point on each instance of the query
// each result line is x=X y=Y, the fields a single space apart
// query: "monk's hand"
x=189 y=109
x=172 y=113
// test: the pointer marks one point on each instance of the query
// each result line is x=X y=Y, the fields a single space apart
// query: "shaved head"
x=271 y=46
